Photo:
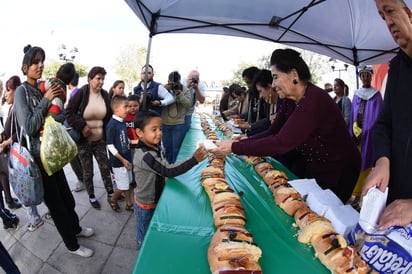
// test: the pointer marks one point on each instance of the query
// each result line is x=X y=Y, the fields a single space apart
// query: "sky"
x=99 y=29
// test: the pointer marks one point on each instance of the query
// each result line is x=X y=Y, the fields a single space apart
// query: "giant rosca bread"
x=329 y=246
x=231 y=250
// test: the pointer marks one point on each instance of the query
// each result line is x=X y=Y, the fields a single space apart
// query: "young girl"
x=117 y=88
x=32 y=108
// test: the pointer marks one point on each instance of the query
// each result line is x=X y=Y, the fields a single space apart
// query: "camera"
x=195 y=81
x=177 y=86
x=148 y=100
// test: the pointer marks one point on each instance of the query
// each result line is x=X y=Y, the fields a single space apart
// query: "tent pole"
x=357 y=78
x=149 y=46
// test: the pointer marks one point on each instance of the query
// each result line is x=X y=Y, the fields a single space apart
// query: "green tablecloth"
x=182 y=226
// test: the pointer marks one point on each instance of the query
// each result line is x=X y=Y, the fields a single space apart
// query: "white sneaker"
x=83 y=252
x=86 y=232
x=47 y=215
x=33 y=227
x=79 y=186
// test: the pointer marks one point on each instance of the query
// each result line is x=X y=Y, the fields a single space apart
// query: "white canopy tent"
x=347 y=30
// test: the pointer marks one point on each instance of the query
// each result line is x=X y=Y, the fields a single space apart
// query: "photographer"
x=156 y=94
x=197 y=93
x=173 y=117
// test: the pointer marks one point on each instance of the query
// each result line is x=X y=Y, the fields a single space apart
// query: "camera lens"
x=177 y=86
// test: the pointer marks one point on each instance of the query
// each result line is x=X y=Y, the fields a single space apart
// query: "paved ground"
x=43 y=251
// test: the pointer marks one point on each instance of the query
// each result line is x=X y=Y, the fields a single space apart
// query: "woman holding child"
x=33 y=106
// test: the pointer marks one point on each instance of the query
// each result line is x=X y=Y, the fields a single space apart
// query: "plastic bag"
x=57 y=148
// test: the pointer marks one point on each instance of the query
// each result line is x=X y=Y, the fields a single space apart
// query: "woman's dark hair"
x=286 y=60
x=66 y=73
x=32 y=55
x=75 y=81
x=340 y=82
x=142 y=118
x=174 y=77
x=239 y=91
x=96 y=70
x=232 y=88
x=115 y=84
x=346 y=90
x=13 y=82
x=250 y=72
x=263 y=78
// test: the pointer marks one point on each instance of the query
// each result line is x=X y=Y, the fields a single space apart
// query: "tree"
x=52 y=66
x=317 y=63
x=237 y=75
x=129 y=63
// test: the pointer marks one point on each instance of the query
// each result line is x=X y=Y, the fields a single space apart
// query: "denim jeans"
x=188 y=122
x=143 y=217
x=173 y=136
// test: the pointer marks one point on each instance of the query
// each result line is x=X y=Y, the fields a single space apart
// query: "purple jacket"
x=315 y=127
x=371 y=113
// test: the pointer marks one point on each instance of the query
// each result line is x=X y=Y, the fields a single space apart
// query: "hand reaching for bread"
x=200 y=153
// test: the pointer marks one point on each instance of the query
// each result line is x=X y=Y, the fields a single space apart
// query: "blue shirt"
x=116 y=134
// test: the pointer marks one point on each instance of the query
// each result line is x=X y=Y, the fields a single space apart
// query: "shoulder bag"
x=24 y=174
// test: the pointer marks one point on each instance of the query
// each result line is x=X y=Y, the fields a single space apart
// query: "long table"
x=182 y=226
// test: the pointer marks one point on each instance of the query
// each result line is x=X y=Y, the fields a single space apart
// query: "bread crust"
x=274 y=174
x=223 y=198
x=231 y=232
x=292 y=204
x=324 y=242
x=212 y=172
x=230 y=255
x=215 y=185
x=229 y=214
x=263 y=168
x=320 y=225
x=254 y=160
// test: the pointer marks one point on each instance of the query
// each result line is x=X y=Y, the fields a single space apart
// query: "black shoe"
x=95 y=203
x=14 y=204
x=10 y=220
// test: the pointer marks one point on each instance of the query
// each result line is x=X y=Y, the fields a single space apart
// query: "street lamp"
x=67 y=55
x=339 y=70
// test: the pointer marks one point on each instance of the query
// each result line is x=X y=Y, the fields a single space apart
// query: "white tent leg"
x=149 y=46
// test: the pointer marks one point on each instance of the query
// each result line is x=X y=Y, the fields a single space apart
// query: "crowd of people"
x=347 y=146
x=106 y=123
x=353 y=146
